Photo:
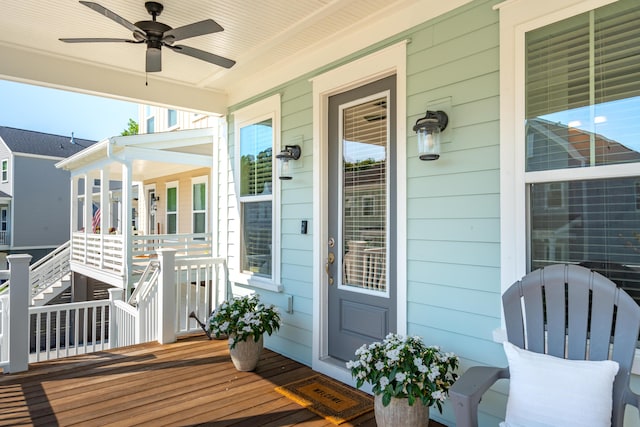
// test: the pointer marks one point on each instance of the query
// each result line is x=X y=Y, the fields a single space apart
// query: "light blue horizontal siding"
x=453 y=265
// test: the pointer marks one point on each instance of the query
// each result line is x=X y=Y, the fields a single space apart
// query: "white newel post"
x=115 y=294
x=167 y=293
x=19 y=294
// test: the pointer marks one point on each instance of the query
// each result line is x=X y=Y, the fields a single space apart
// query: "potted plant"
x=244 y=320
x=407 y=377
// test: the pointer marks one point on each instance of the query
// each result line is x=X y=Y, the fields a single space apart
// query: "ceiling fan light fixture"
x=156 y=35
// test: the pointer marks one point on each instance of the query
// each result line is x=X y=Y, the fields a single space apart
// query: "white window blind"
x=364 y=147
x=583 y=89
x=582 y=107
x=256 y=151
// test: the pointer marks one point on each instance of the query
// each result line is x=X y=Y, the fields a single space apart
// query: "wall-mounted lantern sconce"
x=154 y=203
x=290 y=152
x=428 y=129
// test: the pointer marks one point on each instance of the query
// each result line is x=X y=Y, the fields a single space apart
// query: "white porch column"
x=73 y=217
x=127 y=203
x=105 y=206
x=88 y=203
x=167 y=293
x=19 y=294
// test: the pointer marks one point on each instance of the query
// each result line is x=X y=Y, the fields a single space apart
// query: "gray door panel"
x=362 y=218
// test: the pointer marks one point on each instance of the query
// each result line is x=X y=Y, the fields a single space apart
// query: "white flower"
x=401 y=376
x=439 y=395
x=379 y=365
x=384 y=381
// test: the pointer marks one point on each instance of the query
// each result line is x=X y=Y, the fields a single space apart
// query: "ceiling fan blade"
x=98 y=40
x=154 y=60
x=204 y=56
x=207 y=26
x=111 y=15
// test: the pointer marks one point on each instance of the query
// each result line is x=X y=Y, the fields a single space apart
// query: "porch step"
x=51 y=291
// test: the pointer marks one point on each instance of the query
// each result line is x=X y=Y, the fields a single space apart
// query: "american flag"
x=95 y=222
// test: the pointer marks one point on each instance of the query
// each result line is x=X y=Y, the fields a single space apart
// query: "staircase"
x=48 y=277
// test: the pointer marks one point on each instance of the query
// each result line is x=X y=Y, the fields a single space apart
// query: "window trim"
x=201 y=180
x=167 y=186
x=517 y=18
x=269 y=108
x=5 y=171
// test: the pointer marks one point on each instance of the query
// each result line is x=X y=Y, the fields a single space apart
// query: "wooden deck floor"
x=191 y=382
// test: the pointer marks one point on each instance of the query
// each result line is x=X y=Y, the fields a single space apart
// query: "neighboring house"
x=454 y=232
x=34 y=194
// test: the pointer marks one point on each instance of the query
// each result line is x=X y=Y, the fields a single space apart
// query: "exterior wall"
x=40 y=191
x=453 y=265
x=185 y=119
x=184 y=198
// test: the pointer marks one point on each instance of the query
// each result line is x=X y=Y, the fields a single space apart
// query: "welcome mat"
x=328 y=398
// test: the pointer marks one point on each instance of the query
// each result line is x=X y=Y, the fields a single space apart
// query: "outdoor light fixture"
x=428 y=129
x=290 y=152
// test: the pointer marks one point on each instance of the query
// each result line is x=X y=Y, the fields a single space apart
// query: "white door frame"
x=388 y=61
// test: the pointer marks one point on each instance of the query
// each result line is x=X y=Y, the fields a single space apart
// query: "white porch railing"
x=50 y=269
x=186 y=245
x=30 y=334
x=101 y=251
x=47 y=270
x=4 y=330
x=197 y=289
x=63 y=330
x=4 y=238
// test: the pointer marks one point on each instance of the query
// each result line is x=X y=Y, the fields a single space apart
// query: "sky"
x=61 y=112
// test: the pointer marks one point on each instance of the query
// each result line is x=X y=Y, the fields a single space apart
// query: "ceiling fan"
x=156 y=35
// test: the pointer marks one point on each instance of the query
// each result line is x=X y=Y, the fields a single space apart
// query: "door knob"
x=330 y=260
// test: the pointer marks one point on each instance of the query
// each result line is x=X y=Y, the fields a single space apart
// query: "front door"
x=362 y=219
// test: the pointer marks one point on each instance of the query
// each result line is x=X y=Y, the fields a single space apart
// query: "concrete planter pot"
x=399 y=413
x=245 y=354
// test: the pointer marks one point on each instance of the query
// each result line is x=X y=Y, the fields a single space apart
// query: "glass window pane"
x=583 y=90
x=199 y=197
x=364 y=150
x=172 y=226
x=597 y=226
x=172 y=199
x=172 y=118
x=199 y=225
x=151 y=122
x=256 y=147
x=256 y=238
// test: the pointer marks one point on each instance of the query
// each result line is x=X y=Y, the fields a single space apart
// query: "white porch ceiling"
x=271 y=40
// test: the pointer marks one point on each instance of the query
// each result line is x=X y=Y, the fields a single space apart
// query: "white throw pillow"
x=549 y=391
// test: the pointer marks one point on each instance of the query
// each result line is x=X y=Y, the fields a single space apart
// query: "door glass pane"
x=364 y=197
x=172 y=198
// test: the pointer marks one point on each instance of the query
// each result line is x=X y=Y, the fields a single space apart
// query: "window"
x=257 y=129
x=172 y=118
x=580 y=146
x=151 y=123
x=5 y=170
x=4 y=220
x=172 y=208
x=199 y=204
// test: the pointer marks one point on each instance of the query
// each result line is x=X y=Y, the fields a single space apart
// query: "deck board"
x=191 y=382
